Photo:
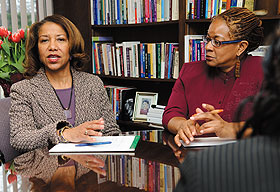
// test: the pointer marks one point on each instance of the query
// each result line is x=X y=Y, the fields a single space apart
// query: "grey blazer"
x=36 y=113
x=250 y=165
x=41 y=165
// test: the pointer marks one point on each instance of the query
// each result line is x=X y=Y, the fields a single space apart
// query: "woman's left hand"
x=214 y=123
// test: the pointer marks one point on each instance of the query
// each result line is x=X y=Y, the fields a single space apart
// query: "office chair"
x=7 y=152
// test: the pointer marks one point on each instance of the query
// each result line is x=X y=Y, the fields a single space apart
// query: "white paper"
x=208 y=141
x=119 y=145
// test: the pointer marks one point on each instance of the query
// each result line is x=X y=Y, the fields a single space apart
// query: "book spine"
x=162 y=63
x=94 y=71
x=149 y=65
x=128 y=49
x=158 y=57
x=155 y=11
x=147 y=11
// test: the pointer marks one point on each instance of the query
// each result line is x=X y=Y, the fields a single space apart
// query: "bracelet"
x=64 y=157
x=60 y=133
x=62 y=160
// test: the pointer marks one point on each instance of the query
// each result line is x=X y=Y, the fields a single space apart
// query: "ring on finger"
x=86 y=132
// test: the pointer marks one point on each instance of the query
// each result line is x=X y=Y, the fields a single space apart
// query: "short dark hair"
x=76 y=43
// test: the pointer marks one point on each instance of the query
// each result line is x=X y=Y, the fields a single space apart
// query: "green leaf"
x=6 y=68
x=6 y=49
x=2 y=64
x=18 y=64
x=5 y=76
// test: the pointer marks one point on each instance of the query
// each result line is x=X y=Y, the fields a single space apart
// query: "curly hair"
x=265 y=118
x=244 y=25
x=76 y=43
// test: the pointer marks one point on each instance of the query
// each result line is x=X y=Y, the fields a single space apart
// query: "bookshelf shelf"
x=137 y=126
x=137 y=79
x=135 y=25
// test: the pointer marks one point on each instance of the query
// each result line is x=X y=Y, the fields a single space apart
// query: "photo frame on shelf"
x=143 y=101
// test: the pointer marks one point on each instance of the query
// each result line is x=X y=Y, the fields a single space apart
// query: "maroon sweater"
x=198 y=83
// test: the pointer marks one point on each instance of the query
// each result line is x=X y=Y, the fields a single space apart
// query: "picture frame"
x=143 y=101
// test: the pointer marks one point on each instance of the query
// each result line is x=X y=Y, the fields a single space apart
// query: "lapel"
x=48 y=101
x=46 y=98
x=79 y=97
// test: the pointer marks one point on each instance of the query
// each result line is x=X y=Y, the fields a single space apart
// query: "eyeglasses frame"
x=222 y=42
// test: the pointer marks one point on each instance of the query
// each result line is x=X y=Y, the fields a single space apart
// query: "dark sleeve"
x=177 y=105
x=189 y=180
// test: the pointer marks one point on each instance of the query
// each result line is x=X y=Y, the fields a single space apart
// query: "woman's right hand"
x=83 y=132
x=185 y=129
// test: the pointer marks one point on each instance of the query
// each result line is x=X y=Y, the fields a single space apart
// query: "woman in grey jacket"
x=57 y=102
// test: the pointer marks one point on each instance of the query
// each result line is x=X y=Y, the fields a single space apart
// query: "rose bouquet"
x=12 y=55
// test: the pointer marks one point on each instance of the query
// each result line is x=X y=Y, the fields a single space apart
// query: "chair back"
x=5 y=147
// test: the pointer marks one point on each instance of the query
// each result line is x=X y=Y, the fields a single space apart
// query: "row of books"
x=122 y=101
x=143 y=174
x=106 y=12
x=194 y=48
x=148 y=135
x=135 y=59
x=205 y=9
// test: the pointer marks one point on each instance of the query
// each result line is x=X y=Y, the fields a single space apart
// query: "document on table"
x=103 y=145
x=208 y=141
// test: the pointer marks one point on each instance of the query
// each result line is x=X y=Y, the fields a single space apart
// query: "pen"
x=212 y=112
x=217 y=111
x=95 y=143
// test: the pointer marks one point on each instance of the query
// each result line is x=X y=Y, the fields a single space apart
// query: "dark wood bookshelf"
x=168 y=31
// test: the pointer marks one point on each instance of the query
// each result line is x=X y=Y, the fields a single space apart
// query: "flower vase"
x=6 y=85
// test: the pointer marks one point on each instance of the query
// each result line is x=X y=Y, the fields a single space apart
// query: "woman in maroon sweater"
x=226 y=77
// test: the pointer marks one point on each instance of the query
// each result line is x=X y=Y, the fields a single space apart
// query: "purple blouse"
x=64 y=96
x=198 y=84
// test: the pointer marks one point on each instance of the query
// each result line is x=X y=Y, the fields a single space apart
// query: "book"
x=249 y=4
x=115 y=145
x=127 y=97
x=154 y=120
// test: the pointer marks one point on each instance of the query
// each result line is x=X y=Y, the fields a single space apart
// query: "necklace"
x=67 y=111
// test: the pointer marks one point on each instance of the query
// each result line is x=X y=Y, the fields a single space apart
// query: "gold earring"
x=237 y=68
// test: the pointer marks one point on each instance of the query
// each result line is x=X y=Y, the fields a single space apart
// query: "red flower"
x=7 y=165
x=1 y=42
x=12 y=178
x=10 y=35
x=4 y=32
x=21 y=32
x=16 y=37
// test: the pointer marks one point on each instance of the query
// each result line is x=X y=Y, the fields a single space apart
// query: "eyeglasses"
x=217 y=43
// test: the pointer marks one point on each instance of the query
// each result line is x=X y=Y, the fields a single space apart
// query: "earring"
x=237 y=68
